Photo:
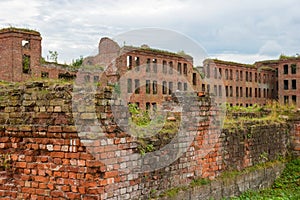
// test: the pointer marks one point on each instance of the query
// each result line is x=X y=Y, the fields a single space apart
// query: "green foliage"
x=273 y=112
x=285 y=57
x=117 y=89
x=139 y=117
x=26 y=64
x=78 y=62
x=53 y=55
x=5 y=161
x=287 y=186
x=199 y=182
x=145 y=149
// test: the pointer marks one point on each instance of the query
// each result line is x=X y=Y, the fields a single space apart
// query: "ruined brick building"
x=147 y=76
x=20 y=57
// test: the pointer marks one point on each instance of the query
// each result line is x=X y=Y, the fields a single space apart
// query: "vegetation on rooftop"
x=12 y=28
x=238 y=116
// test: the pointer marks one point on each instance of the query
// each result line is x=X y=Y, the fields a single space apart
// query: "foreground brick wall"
x=51 y=160
x=295 y=137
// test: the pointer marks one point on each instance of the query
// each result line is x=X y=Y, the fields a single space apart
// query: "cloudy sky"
x=237 y=30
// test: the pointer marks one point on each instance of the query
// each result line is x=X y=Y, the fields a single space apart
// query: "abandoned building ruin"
x=240 y=84
x=50 y=159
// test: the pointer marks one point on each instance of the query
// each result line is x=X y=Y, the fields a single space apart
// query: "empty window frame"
x=137 y=63
x=215 y=90
x=241 y=75
x=208 y=71
x=26 y=44
x=154 y=87
x=164 y=87
x=129 y=62
x=185 y=86
x=286 y=99
x=285 y=84
x=165 y=68
x=293 y=68
x=237 y=91
x=194 y=79
x=179 y=86
x=179 y=68
x=230 y=74
x=220 y=90
x=220 y=73
x=170 y=87
x=285 y=69
x=236 y=75
x=137 y=86
x=226 y=91
x=129 y=85
x=147 y=86
x=185 y=70
x=294 y=84
x=294 y=99
x=170 y=67
x=215 y=73
x=154 y=61
x=148 y=69
x=147 y=105
x=203 y=87
x=26 y=64
x=241 y=91
x=231 y=91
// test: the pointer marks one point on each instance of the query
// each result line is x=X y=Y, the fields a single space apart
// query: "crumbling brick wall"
x=52 y=158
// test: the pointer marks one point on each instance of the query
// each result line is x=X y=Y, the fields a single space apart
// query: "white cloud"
x=250 y=27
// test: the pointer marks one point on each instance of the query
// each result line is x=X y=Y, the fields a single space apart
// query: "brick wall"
x=295 y=137
x=55 y=155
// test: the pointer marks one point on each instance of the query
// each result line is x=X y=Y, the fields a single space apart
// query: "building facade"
x=20 y=57
x=241 y=84
x=147 y=76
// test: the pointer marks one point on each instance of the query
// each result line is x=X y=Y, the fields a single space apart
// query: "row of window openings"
x=286 y=99
x=154 y=65
x=238 y=75
x=293 y=69
x=68 y=76
x=238 y=91
x=286 y=84
x=166 y=88
x=148 y=105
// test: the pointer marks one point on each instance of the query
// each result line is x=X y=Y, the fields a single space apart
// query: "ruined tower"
x=20 y=49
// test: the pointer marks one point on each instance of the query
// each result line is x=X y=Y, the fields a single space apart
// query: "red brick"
x=54 y=129
x=57 y=154
x=21 y=164
x=42 y=179
x=57 y=193
x=71 y=195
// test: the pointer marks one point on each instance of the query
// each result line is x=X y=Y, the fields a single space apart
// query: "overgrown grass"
x=287 y=186
x=238 y=117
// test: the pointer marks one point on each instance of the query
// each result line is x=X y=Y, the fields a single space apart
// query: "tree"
x=53 y=56
x=78 y=62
